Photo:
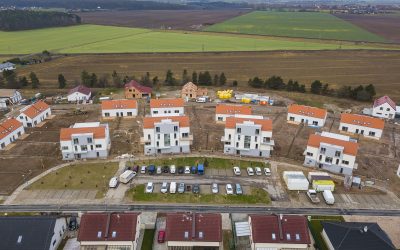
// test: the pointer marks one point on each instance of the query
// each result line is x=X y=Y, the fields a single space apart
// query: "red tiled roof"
x=35 y=109
x=350 y=147
x=233 y=109
x=362 y=120
x=98 y=132
x=123 y=224
x=307 y=111
x=118 y=104
x=166 y=103
x=263 y=226
x=148 y=122
x=385 y=99
x=138 y=86
x=199 y=227
x=266 y=124
x=8 y=126
x=81 y=89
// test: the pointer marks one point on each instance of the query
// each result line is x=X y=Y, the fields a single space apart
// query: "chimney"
x=280 y=226
x=193 y=225
x=108 y=225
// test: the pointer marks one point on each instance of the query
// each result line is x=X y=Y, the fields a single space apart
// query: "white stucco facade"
x=384 y=111
x=29 y=121
x=78 y=96
x=307 y=120
x=112 y=113
x=368 y=132
x=169 y=111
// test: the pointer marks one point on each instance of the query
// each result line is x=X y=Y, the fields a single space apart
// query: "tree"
x=103 y=81
x=275 y=82
x=325 y=89
x=290 y=85
x=302 y=88
x=10 y=79
x=194 y=77
x=363 y=95
x=185 y=77
x=370 y=88
x=256 y=82
x=169 y=78
x=34 y=80
x=155 y=81
x=93 y=80
x=234 y=83
x=146 y=80
x=61 y=81
x=86 y=78
x=316 y=87
x=205 y=78
x=116 y=79
x=354 y=92
x=216 y=80
x=222 y=79
x=23 y=81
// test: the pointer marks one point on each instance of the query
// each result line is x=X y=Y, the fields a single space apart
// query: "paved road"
x=197 y=208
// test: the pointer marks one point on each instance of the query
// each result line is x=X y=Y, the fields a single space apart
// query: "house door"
x=122 y=114
x=362 y=132
x=357 y=130
x=341 y=170
x=98 y=154
x=78 y=156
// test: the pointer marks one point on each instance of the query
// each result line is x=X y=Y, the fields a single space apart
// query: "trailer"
x=295 y=180
x=127 y=176
x=321 y=185
x=328 y=197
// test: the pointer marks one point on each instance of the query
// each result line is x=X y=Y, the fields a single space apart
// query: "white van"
x=113 y=182
x=172 y=169
x=328 y=197
x=172 y=188
x=127 y=176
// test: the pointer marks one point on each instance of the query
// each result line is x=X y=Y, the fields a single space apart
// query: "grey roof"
x=6 y=65
x=357 y=236
x=7 y=92
x=35 y=232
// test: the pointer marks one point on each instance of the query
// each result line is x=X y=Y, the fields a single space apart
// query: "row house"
x=167 y=107
x=34 y=114
x=191 y=90
x=164 y=135
x=10 y=130
x=367 y=126
x=118 y=108
x=310 y=116
x=223 y=111
x=135 y=90
x=248 y=137
x=384 y=107
x=333 y=152
x=85 y=141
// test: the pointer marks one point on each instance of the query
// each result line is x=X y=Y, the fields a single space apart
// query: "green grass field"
x=108 y=39
x=295 y=24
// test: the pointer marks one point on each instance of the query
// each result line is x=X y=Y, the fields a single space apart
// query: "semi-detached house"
x=222 y=111
x=118 y=108
x=85 y=141
x=10 y=130
x=307 y=115
x=34 y=114
x=367 y=126
x=167 y=107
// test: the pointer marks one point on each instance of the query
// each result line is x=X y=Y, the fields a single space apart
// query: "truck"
x=127 y=176
x=312 y=194
x=200 y=169
x=172 y=188
x=328 y=197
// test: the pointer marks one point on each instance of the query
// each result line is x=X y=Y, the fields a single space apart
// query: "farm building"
x=248 y=137
x=279 y=232
x=167 y=107
x=307 y=115
x=135 y=90
x=166 y=135
x=191 y=90
x=367 y=126
x=10 y=130
x=34 y=114
x=118 y=108
x=295 y=180
x=333 y=152
x=79 y=94
x=7 y=66
x=194 y=231
x=222 y=111
x=85 y=141
x=109 y=231
x=384 y=107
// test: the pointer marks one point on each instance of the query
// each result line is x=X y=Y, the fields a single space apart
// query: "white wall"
x=306 y=119
x=351 y=128
x=113 y=112
x=36 y=120
x=59 y=230
x=172 y=111
x=77 y=96
x=384 y=111
x=12 y=136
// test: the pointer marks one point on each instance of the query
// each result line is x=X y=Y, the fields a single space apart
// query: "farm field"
x=296 y=24
x=160 y=19
x=109 y=39
x=334 y=67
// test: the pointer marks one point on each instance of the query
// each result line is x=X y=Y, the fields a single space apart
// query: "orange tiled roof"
x=350 y=147
x=118 y=104
x=8 y=126
x=233 y=109
x=307 y=111
x=362 y=120
x=98 y=132
x=148 y=122
x=266 y=124
x=166 y=103
x=36 y=109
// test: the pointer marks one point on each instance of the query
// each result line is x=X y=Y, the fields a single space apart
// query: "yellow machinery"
x=225 y=94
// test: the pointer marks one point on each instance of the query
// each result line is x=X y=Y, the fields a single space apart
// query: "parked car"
x=172 y=188
x=149 y=187
x=193 y=170
x=187 y=170
x=143 y=169
x=239 y=189
x=229 y=189
x=196 y=188
x=161 y=236
x=250 y=171
x=267 y=171
x=258 y=171
x=313 y=196
x=151 y=169
x=236 y=171
x=188 y=188
x=164 y=187
x=172 y=169
x=165 y=169
x=181 y=188
x=214 y=188
x=135 y=169
x=113 y=182
x=159 y=170
x=73 y=224
x=181 y=170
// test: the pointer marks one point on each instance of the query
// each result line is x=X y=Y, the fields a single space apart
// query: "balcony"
x=144 y=140
x=270 y=143
x=188 y=138
x=225 y=140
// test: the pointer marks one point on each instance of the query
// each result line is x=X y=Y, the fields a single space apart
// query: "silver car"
x=181 y=188
x=214 y=188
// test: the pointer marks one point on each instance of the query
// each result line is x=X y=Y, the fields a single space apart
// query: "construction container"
x=318 y=176
x=295 y=180
x=321 y=185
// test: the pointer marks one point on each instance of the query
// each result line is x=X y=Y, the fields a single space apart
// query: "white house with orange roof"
x=34 y=114
x=248 y=137
x=166 y=135
x=307 y=115
x=85 y=141
x=333 y=152
x=167 y=107
x=222 y=111
x=384 y=107
x=10 y=130
x=118 y=108
x=367 y=126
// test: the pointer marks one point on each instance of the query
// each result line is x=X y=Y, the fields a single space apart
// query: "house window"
x=315 y=123
x=237 y=144
x=107 y=114
x=83 y=147
x=345 y=162
x=371 y=133
x=155 y=112
x=345 y=129
x=148 y=137
x=328 y=159
x=257 y=131
x=309 y=154
x=291 y=118
x=158 y=144
x=175 y=136
x=64 y=148
x=381 y=108
x=266 y=139
x=167 y=141
x=129 y=113
x=176 y=143
x=229 y=136
x=89 y=140
x=255 y=138
x=158 y=129
x=219 y=118
x=76 y=141
x=147 y=143
x=91 y=147
x=323 y=150
x=54 y=242
x=337 y=153
x=176 y=111
x=247 y=140
x=98 y=145
x=239 y=137
x=158 y=136
x=256 y=146
x=175 y=128
x=185 y=135
x=239 y=130
x=388 y=109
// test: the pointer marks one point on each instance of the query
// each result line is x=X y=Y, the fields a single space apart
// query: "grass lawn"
x=295 y=24
x=148 y=238
x=257 y=196
x=109 y=39
x=79 y=176
x=316 y=228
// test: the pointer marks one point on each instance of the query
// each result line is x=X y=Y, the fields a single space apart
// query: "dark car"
x=73 y=224
x=181 y=170
x=196 y=188
x=165 y=169
x=193 y=170
x=161 y=236
x=135 y=169
x=151 y=169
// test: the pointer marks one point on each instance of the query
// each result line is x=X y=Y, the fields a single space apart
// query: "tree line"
x=10 y=80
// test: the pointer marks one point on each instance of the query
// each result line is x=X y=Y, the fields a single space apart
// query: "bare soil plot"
x=160 y=19
x=387 y=26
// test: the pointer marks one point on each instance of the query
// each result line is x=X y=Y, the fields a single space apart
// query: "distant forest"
x=11 y=20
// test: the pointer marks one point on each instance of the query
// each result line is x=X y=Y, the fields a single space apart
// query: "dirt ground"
x=337 y=68
x=387 y=26
x=160 y=19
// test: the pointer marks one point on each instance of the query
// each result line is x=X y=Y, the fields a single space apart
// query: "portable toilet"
x=200 y=169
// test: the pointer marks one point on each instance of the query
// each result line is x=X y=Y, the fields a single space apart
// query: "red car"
x=161 y=236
